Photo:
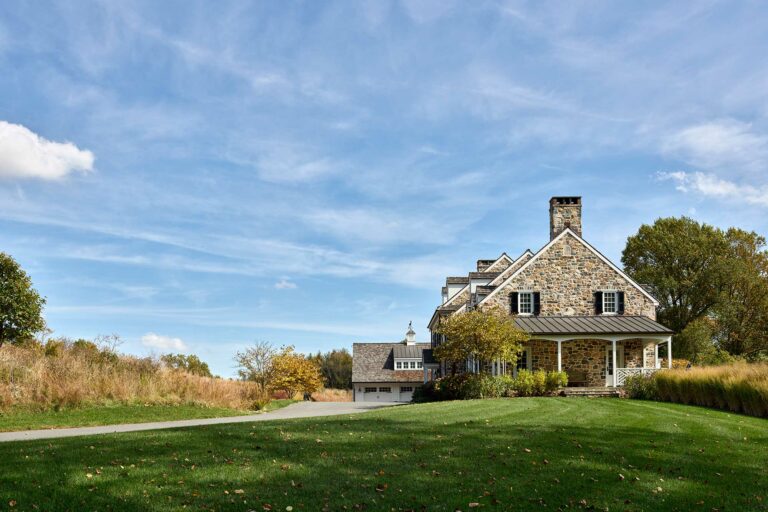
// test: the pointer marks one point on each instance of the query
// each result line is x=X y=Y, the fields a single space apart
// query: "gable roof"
x=498 y=279
x=503 y=257
x=567 y=231
x=375 y=362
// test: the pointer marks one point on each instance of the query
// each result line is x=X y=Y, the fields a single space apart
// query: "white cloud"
x=153 y=340
x=284 y=284
x=709 y=185
x=723 y=143
x=24 y=154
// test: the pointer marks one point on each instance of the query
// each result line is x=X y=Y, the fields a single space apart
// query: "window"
x=413 y=365
x=522 y=360
x=418 y=365
x=525 y=303
x=370 y=390
x=385 y=390
x=609 y=302
x=406 y=389
x=399 y=365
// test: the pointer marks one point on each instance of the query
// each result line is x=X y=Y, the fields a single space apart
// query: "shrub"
x=641 y=387
x=739 y=387
x=468 y=386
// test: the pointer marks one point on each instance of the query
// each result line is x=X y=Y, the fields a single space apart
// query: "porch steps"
x=592 y=392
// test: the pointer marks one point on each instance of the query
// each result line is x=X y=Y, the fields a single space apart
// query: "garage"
x=387 y=372
x=376 y=393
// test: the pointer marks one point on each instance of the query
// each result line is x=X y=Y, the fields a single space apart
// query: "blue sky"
x=195 y=176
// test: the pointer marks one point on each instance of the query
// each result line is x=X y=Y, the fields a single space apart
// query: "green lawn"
x=523 y=453
x=22 y=419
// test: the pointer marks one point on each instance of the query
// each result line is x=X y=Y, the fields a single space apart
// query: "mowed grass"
x=86 y=416
x=506 y=454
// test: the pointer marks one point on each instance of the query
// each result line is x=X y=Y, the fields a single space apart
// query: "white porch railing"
x=623 y=373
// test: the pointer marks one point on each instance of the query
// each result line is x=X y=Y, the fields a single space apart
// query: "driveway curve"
x=297 y=410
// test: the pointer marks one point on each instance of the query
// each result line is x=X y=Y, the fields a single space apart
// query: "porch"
x=595 y=351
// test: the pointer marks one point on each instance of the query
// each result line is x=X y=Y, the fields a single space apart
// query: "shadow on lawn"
x=401 y=460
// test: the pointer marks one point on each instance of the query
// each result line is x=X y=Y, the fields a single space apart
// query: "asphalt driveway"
x=297 y=410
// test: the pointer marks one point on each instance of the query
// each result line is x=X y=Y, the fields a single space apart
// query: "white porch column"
x=559 y=356
x=656 y=355
x=669 y=352
x=613 y=356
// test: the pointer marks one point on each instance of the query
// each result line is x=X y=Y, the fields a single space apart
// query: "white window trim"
x=615 y=302
x=519 y=302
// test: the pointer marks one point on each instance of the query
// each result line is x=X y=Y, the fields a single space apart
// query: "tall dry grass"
x=739 y=387
x=332 y=395
x=69 y=375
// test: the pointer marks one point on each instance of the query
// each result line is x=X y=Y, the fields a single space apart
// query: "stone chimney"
x=564 y=212
x=410 y=336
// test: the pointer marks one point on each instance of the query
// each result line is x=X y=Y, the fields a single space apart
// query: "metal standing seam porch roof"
x=584 y=325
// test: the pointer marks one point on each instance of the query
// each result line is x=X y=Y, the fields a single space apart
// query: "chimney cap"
x=565 y=200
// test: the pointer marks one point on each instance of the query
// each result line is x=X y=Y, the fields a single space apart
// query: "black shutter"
x=598 y=303
x=513 y=303
x=536 y=303
x=620 y=305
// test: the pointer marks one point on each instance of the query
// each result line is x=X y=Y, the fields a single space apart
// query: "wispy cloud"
x=709 y=185
x=285 y=284
x=157 y=341
x=24 y=154
x=721 y=144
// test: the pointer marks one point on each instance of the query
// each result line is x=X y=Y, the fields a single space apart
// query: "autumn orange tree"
x=485 y=335
x=293 y=373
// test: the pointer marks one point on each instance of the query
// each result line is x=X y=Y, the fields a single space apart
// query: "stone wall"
x=568 y=279
x=511 y=269
x=633 y=353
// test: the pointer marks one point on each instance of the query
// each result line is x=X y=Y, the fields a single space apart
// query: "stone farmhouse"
x=585 y=316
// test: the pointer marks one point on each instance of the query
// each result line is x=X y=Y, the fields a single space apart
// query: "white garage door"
x=406 y=393
x=379 y=394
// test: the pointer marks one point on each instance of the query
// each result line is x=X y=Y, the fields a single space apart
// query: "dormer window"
x=609 y=302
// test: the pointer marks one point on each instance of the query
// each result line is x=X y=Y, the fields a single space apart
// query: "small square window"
x=385 y=390
x=413 y=365
x=399 y=365
x=418 y=365
x=525 y=303
x=609 y=302
x=370 y=390
x=406 y=389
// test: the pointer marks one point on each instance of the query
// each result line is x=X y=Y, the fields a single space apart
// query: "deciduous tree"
x=294 y=373
x=21 y=307
x=486 y=335
x=255 y=363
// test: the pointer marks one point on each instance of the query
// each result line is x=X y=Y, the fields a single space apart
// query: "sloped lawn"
x=513 y=454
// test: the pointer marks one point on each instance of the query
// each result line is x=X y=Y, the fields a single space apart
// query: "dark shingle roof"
x=606 y=324
x=375 y=362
